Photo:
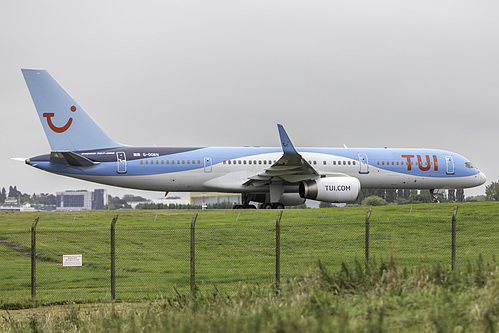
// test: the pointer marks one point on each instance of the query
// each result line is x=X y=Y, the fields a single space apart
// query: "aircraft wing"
x=291 y=167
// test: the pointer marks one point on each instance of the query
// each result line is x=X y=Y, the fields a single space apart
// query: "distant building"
x=99 y=199
x=174 y=198
x=81 y=200
x=204 y=199
x=13 y=205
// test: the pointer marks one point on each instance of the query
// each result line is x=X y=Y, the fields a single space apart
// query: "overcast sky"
x=224 y=73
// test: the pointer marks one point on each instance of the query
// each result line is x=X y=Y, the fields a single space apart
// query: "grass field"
x=235 y=253
x=232 y=246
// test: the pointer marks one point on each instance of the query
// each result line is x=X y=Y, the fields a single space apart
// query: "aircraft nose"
x=481 y=178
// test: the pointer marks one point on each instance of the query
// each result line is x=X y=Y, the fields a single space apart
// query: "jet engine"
x=291 y=199
x=331 y=189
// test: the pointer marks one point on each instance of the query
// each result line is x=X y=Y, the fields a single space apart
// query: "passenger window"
x=244 y=162
x=324 y=162
x=349 y=163
x=147 y=162
x=259 y=161
x=141 y=162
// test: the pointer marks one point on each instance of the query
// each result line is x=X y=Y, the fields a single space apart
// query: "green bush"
x=374 y=200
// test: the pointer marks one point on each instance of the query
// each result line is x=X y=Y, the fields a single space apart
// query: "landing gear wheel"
x=273 y=205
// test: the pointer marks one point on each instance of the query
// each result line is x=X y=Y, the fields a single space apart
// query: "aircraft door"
x=364 y=166
x=121 y=159
x=207 y=165
x=449 y=161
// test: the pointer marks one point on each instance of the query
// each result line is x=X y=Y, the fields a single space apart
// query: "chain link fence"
x=164 y=260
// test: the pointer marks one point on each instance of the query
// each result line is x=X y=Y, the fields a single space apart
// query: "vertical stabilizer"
x=67 y=126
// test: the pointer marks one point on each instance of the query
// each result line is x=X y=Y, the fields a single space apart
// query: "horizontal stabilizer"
x=70 y=158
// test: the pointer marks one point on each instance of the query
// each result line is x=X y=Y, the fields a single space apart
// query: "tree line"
x=411 y=196
x=366 y=197
x=23 y=198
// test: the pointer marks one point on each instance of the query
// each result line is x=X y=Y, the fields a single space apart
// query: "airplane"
x=273 y=177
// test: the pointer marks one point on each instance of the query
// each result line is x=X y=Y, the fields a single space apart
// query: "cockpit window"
x=469 y=165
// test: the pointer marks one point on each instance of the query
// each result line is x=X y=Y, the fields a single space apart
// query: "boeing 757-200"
x=271 y=176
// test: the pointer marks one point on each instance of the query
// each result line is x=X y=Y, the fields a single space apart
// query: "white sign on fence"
x=69 y=260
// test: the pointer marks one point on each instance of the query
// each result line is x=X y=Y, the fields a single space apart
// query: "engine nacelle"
x=291 y=199
x=331 y=189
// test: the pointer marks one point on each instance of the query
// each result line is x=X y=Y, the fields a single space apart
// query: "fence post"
x=454 y=222
x=193 y=268
x=113 y=257
x=33 y=257
x=278 y=250
x=368 y=231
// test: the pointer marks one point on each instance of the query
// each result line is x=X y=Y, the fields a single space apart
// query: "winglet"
x=287 y=146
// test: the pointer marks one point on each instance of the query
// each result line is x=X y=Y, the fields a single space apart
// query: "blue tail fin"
x=67 y=126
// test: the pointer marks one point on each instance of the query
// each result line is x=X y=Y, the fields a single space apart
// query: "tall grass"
x=381 y=297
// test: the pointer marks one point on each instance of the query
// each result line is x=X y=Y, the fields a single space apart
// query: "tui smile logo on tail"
x=55 y=128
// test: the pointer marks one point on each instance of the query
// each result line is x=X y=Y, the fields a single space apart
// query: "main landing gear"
x=244 y=207
x=268 y=205
x=272 y=205
x=246 y=198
